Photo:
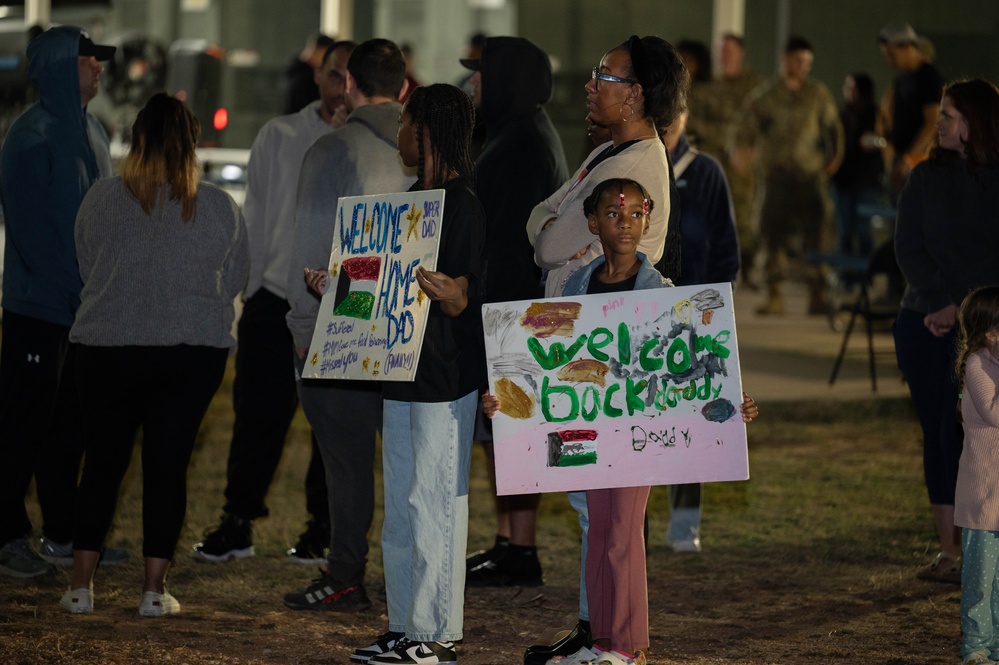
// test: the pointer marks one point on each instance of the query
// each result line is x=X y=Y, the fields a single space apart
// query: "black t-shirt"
x=452 y=358
x=913 y=91
x=596 y=286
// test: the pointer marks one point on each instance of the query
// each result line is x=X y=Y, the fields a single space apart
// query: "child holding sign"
x=976 y=504
x=428 y=423
x=618 y=212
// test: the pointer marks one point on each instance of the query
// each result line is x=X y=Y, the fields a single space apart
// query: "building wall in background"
x=844 y=33
x=574 y=32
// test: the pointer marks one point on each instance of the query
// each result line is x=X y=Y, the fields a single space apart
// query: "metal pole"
x=783 y=28
x=728 y=16
x=37 y=12
x=336 y=18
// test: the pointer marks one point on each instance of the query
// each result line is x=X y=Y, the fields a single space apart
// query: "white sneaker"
x=158 y=604
x=78 y=601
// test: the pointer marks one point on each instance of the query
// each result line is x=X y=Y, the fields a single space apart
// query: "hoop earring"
x=621 y=112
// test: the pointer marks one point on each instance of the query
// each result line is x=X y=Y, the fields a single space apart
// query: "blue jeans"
x=853 y=230
x=426 y=455
x=979 y=592
x=578 y=501
x=684 y=513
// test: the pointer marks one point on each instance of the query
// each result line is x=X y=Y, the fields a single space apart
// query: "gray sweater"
x=359 y=159
x=156 y=280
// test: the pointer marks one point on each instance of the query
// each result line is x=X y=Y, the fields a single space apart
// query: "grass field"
x=810 y=561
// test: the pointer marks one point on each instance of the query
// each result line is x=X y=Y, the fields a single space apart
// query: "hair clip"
x=645 y=206
x=622 y=199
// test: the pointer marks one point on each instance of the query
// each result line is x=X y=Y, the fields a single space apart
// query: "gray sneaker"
x=62 y=554
x=19 y=559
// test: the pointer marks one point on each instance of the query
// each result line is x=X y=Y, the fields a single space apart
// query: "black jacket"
x=521 y=163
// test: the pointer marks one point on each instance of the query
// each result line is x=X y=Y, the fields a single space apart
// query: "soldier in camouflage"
x=714 y=109
x=792 y=130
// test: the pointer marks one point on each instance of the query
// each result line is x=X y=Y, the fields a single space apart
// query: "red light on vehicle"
x=220 y=120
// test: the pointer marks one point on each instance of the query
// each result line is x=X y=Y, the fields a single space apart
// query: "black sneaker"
x=382 y=644
x=417 y=653
x=233 y=539
x=322 y=596
x=511 y=570
x=313 y=545
x=576 y=639
x=479 y=557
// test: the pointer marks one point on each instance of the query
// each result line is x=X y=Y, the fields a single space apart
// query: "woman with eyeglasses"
x=637 y=91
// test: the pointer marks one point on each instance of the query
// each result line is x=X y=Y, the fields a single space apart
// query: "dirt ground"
x=774 y=612
x=811 y=561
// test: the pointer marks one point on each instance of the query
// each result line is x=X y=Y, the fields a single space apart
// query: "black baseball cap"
x=471 y=63
x=99 y=51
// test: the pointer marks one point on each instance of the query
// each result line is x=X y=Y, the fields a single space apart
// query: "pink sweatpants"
x=615 y=567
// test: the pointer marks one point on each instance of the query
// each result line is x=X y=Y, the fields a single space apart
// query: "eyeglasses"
x=598 y=76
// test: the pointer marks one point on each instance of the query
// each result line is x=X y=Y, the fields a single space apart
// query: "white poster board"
x=616 y=390
x=372 y=318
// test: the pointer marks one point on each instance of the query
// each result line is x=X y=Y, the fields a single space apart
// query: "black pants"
x=39 y=426
x=927 y=362
x=165 y=390
x=346 y=415
x=265 y=397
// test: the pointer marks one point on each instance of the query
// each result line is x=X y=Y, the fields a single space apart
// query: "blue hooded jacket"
x=50 y=157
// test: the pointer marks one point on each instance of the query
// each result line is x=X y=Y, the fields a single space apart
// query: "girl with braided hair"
x=428 y=424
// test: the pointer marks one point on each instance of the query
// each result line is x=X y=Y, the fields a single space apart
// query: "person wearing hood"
x=358 y=159
x=522 y=161
x=51 y=156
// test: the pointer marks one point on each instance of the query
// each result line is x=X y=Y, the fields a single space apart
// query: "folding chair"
x=881 y=263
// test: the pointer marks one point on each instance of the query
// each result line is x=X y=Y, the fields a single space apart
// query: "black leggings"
x=165 y=390
x=927 y=362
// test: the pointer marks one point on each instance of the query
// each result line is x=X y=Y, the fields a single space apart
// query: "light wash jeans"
x=979 y=592
x=578 y=501
x=426 y=455
x=684 y=513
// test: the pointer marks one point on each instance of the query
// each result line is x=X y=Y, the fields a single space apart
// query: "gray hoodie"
x=359 y=159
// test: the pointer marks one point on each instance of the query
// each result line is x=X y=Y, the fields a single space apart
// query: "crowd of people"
x=690 y=176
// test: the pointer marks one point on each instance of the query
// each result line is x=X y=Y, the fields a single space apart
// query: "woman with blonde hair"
x=162 y=256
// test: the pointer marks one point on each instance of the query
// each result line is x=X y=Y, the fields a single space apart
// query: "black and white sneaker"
x=313 y=545
x=231 y=539
x=383 y=643
x=408 y=652
x=324 y=596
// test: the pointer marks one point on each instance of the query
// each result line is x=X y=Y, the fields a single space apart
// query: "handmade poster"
x=616 y=390
x=373 y=315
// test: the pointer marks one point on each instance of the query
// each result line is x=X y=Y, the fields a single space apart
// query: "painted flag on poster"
x=357 y=280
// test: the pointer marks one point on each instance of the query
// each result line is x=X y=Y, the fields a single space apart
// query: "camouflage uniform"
x=796 y=133
x=714 y=111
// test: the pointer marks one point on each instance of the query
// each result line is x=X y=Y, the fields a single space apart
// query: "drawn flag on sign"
x=355 y=288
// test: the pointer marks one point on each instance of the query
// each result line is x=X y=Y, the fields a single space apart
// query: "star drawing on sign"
x=334 y=270
x=414 y=219
x=315 y=358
